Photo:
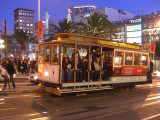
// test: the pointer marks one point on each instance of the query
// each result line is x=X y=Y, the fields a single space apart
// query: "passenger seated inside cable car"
x=67 y=73
x=95 y=69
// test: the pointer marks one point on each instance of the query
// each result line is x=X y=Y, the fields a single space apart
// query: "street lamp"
x=1 y=46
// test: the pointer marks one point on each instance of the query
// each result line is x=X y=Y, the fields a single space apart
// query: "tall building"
x=113 y=14
x=24 y=20
x=76 y=10
x=140 y=29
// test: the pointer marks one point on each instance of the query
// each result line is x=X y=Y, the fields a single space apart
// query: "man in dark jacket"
x=149 y=75
x=11 y=70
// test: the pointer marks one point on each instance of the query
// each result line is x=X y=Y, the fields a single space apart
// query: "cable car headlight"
x=35 y=77
x=46 y=73
x=158 y=74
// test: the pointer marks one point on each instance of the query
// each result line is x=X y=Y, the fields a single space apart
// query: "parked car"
x=156 y=73
x=33 y=78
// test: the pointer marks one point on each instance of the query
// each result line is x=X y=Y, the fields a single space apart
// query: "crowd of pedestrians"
x=11 y=66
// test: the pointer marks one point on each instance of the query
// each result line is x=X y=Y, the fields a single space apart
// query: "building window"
x=118 y=35
x=145 y=39
x=122 y=29
x=150 y=25
x=155 y=25
x=122 y=35
x=145 y=32
x=156 y=38
x=150 y=39
x=118 y=29
x=145 y=25
x=150 y=32
x=155 y=32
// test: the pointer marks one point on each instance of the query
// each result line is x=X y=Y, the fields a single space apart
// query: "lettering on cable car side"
x=131 y=70
x=128 y=78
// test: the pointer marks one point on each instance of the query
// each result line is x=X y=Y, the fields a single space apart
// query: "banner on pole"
x=39 y=30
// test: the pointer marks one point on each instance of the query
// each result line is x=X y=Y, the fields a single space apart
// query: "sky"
x=58 y=8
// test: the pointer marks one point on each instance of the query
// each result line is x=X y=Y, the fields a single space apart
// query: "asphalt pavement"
x=23 y=85
x=140 y=103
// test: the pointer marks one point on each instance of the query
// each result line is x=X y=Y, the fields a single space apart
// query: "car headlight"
x=158 y=74
x=35 y=77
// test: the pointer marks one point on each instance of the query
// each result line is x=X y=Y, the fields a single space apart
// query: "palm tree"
x=23 y=38
x=98 y=24
x=63 y=27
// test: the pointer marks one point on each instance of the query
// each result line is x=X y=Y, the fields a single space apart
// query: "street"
x=141 y=103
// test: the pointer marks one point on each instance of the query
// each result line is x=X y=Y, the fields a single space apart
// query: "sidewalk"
x=22 y=86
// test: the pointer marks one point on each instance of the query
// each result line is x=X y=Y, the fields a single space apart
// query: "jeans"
x=62 y=80
x=79 y=76
x=96 y=75
x=11 y=80
x=5 y=81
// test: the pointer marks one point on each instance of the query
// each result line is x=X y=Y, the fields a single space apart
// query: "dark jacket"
x=151 y=67
x=24 y=65
x=10 y=68
x=84 y=66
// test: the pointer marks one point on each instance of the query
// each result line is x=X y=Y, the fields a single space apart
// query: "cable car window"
x=137 y=59
x=41 y=54
x=55 y=53
x=108 y=57
x=67 y=50
x=119 y=58
x=128 y=58
x=81 y=63
x=47 y=53
x=144 y=59
x=68 y=53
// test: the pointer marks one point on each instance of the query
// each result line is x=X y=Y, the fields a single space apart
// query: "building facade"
x=24 y=20
x=113 y=14
x=140 y=29
x=77 y=10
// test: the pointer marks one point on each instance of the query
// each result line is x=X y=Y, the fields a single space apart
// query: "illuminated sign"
x=135 y=40
x=136 y=21
x=134 y=34
x=134 y=27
